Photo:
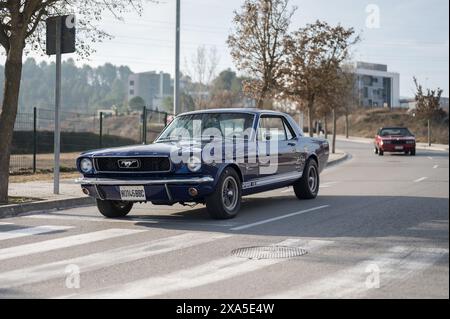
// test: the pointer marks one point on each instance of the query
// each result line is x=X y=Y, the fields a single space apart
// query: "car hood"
x=396 y=138
x=161 y=149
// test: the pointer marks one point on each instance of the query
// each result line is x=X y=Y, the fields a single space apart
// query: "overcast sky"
x=412 y=37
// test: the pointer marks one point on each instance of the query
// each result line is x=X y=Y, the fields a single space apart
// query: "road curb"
x=44 y=206
x=337 y=161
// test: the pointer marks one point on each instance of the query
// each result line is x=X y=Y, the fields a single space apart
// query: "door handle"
x=292 y=144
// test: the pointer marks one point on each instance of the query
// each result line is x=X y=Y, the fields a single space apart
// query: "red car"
x=395 y=140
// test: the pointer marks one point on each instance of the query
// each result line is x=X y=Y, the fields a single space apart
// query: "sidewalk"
x=422 y=146
x=70 y=194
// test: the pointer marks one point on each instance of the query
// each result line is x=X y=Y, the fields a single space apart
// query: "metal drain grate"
x=269 y=252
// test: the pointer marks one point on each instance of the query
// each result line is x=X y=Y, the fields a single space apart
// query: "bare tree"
x=336 y=98
x=22 y=29
x=202 y=69
x=428 y=104
x=257 y=44
x=313 y=54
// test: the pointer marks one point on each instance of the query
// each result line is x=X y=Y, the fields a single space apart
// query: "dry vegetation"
x=366 y=124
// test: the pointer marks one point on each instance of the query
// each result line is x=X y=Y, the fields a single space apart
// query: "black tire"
x=308 y=186
x=114 y=209
x=225 y=202
x=376 y=150
x=413 y=152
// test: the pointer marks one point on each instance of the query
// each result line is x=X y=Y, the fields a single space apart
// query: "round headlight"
x=194 y=164
x=86 y=165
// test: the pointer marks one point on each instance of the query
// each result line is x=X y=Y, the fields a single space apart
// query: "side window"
x=289 y=131
x=272 y=128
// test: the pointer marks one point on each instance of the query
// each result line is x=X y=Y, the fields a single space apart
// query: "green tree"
x=22 y=27
x=137 y=103
x=428 y=104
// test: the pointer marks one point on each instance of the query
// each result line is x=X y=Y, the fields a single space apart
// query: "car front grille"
x=138 y=164
x=400 y=142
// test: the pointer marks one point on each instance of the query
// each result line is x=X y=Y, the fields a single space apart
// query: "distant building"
x=376 y=86
x=153 y=87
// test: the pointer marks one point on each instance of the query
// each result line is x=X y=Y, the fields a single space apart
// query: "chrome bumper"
x=114 y=182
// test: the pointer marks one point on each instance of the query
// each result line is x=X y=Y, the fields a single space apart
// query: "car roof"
x=253 y=111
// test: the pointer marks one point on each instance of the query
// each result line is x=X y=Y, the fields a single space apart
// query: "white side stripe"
x=420 y=179
x=211 y=272
x=106 y=259
x=278 y=218
x=53 y=244
x=398 y=264
x=18 y=233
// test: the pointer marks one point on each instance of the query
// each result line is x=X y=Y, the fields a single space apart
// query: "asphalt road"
x=379 y=229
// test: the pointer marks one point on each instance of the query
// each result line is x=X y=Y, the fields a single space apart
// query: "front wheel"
x=413 y=152
x=114 y=209
x=225 y=202
x=308 y=186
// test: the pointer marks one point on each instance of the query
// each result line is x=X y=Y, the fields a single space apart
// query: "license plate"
x=399 y=148
x=132 y=193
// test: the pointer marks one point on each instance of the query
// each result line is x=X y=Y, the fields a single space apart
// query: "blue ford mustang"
x=211 y=157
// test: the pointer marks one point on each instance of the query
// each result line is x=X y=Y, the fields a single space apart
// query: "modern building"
x=153 y=87
x=376 y=86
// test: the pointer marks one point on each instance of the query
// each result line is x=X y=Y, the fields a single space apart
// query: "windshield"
x=203 y=126
x=395 y=132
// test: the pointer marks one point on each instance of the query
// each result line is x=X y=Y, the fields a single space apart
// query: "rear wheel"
x=375 y=150
x=225 y=202
x=381 y=153
x=308 y=186
x=114 y=209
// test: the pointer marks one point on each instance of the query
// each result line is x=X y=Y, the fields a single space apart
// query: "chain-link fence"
x=33 y=140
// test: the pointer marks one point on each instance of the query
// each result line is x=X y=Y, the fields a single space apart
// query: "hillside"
x=366 y=124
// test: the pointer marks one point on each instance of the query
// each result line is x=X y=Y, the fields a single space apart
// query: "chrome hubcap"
x=312 y=179
x=230 y=193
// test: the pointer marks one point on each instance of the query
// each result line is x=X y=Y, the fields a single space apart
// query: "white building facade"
x=376 y=86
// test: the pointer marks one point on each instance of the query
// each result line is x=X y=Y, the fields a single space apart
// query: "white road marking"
x=420 y=179
x=18 y=233
x=270 y=220
x=210 y=272
x=105 y=259
x=6 y=224
x=398 y=264
x=324 y=185
x=65 y=242
x=435 y=166
x=429 y=157
x=126 y=220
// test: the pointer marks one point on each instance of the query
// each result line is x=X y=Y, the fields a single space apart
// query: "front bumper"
x=157 y=191
x=126 y=182
x=400 y=148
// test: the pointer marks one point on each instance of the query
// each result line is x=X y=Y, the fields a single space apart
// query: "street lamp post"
x=176 y=99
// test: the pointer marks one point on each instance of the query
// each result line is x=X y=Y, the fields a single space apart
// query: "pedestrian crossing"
x=395 y=263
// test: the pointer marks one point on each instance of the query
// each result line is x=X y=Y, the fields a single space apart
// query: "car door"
x=277 y=146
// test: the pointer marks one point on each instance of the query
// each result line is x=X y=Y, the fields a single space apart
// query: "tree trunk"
x=429 y=132
x=310 y=116
x=333 y=148
x=347 y=134
x=325 y=123
x=13 y=74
